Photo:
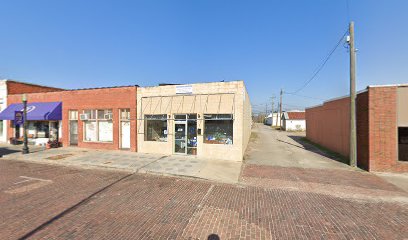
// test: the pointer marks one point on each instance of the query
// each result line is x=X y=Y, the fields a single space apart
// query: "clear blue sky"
x=269 y=44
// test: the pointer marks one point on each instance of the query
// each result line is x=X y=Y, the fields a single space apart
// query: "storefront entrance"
x=185 y=134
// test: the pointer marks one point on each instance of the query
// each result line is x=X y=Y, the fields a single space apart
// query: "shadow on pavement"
x=315 y=148
x=10 y=149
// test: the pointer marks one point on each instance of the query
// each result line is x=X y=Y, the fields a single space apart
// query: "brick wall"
x=104 y=98
x=383 y=130
x=328 y=125
x=377 y=137
x=19 y=88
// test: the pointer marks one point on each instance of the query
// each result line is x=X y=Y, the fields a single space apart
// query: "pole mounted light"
x=25 y=147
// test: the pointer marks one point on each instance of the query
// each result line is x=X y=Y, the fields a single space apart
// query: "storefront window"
x=218 y=128
x=99 y=126
x=156 y=128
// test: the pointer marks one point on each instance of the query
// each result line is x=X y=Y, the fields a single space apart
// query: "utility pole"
x=272 y=103
x=280 y=109
x=353 y=133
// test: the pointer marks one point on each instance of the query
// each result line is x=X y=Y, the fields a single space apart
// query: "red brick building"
x=382 y=127
x=101 y=118
x=8 y=87
x=15 y=87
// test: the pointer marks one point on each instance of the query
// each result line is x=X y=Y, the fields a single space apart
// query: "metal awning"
x=35 y=111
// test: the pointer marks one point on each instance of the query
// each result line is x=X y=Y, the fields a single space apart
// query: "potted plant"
x=52 y=144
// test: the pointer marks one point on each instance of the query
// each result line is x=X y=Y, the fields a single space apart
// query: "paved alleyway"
x=286 y=149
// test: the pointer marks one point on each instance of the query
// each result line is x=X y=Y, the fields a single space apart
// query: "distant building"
x=382 y=127
x=294 y=121
x=273 y=120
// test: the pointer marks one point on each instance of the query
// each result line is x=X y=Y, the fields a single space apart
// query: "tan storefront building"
x=208 y=120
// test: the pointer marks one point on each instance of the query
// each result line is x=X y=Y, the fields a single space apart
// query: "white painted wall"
x=294 y=125
x=273 y=122
x=3 y=105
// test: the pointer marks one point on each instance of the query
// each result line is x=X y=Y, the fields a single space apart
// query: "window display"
x=218 y=128
x=156 y=128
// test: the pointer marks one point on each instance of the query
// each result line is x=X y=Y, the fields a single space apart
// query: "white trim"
x=389 y=85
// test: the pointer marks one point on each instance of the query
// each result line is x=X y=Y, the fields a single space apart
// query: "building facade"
x=382 y=127
x=209 y=120
x=8 y=87
x=101 y=118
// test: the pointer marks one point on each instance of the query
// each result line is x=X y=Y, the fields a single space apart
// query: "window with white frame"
x=156 y=128
x=73 y=115
x=125 y=114
x=218 y=128
x=99 y=126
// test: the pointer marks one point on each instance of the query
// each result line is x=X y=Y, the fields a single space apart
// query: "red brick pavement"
x=28 y=204
x=155 y=207
x=339 y=177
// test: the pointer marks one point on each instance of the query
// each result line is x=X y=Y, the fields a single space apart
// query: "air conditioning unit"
x=108 y=116
x=83 y=117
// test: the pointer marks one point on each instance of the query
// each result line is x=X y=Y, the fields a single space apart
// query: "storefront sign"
x=184 y=89
x=18 y=118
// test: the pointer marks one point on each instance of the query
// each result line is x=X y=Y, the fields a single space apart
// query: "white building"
x=294 y=121
x=273 y=120
x=3 y=105
x=209 y=120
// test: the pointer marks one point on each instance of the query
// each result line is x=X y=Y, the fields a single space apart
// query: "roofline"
x=177 y=84
x=361 y=91
x=80 y=89
x=336 y=98
x=31 y=84
x=389 y=85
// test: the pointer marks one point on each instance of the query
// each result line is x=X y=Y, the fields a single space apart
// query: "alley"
x=286 y=149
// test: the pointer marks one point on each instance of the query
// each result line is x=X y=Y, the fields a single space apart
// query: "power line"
x=305 y=96
x=321 y=65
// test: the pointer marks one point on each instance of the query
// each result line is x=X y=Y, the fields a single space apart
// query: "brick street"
x=271 y=201
x=155 y=207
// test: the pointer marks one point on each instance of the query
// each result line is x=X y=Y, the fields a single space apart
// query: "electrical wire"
x=304 y=96
x=321 y=66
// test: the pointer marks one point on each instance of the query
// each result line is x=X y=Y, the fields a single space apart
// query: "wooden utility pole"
x=272 y=106
x=280 y=109
x=353 y=133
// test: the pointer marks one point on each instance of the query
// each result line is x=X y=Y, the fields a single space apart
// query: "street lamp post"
x=25 y=147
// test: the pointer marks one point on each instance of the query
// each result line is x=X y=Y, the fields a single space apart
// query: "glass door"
x=180 y=137
x=192 y=134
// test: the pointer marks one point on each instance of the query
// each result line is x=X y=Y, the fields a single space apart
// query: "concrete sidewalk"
x=188 y=166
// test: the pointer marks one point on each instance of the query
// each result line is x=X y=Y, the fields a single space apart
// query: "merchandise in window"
x=156 y=128
x=218 y=129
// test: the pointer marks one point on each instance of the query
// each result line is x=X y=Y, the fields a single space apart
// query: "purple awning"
x=35 y=111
